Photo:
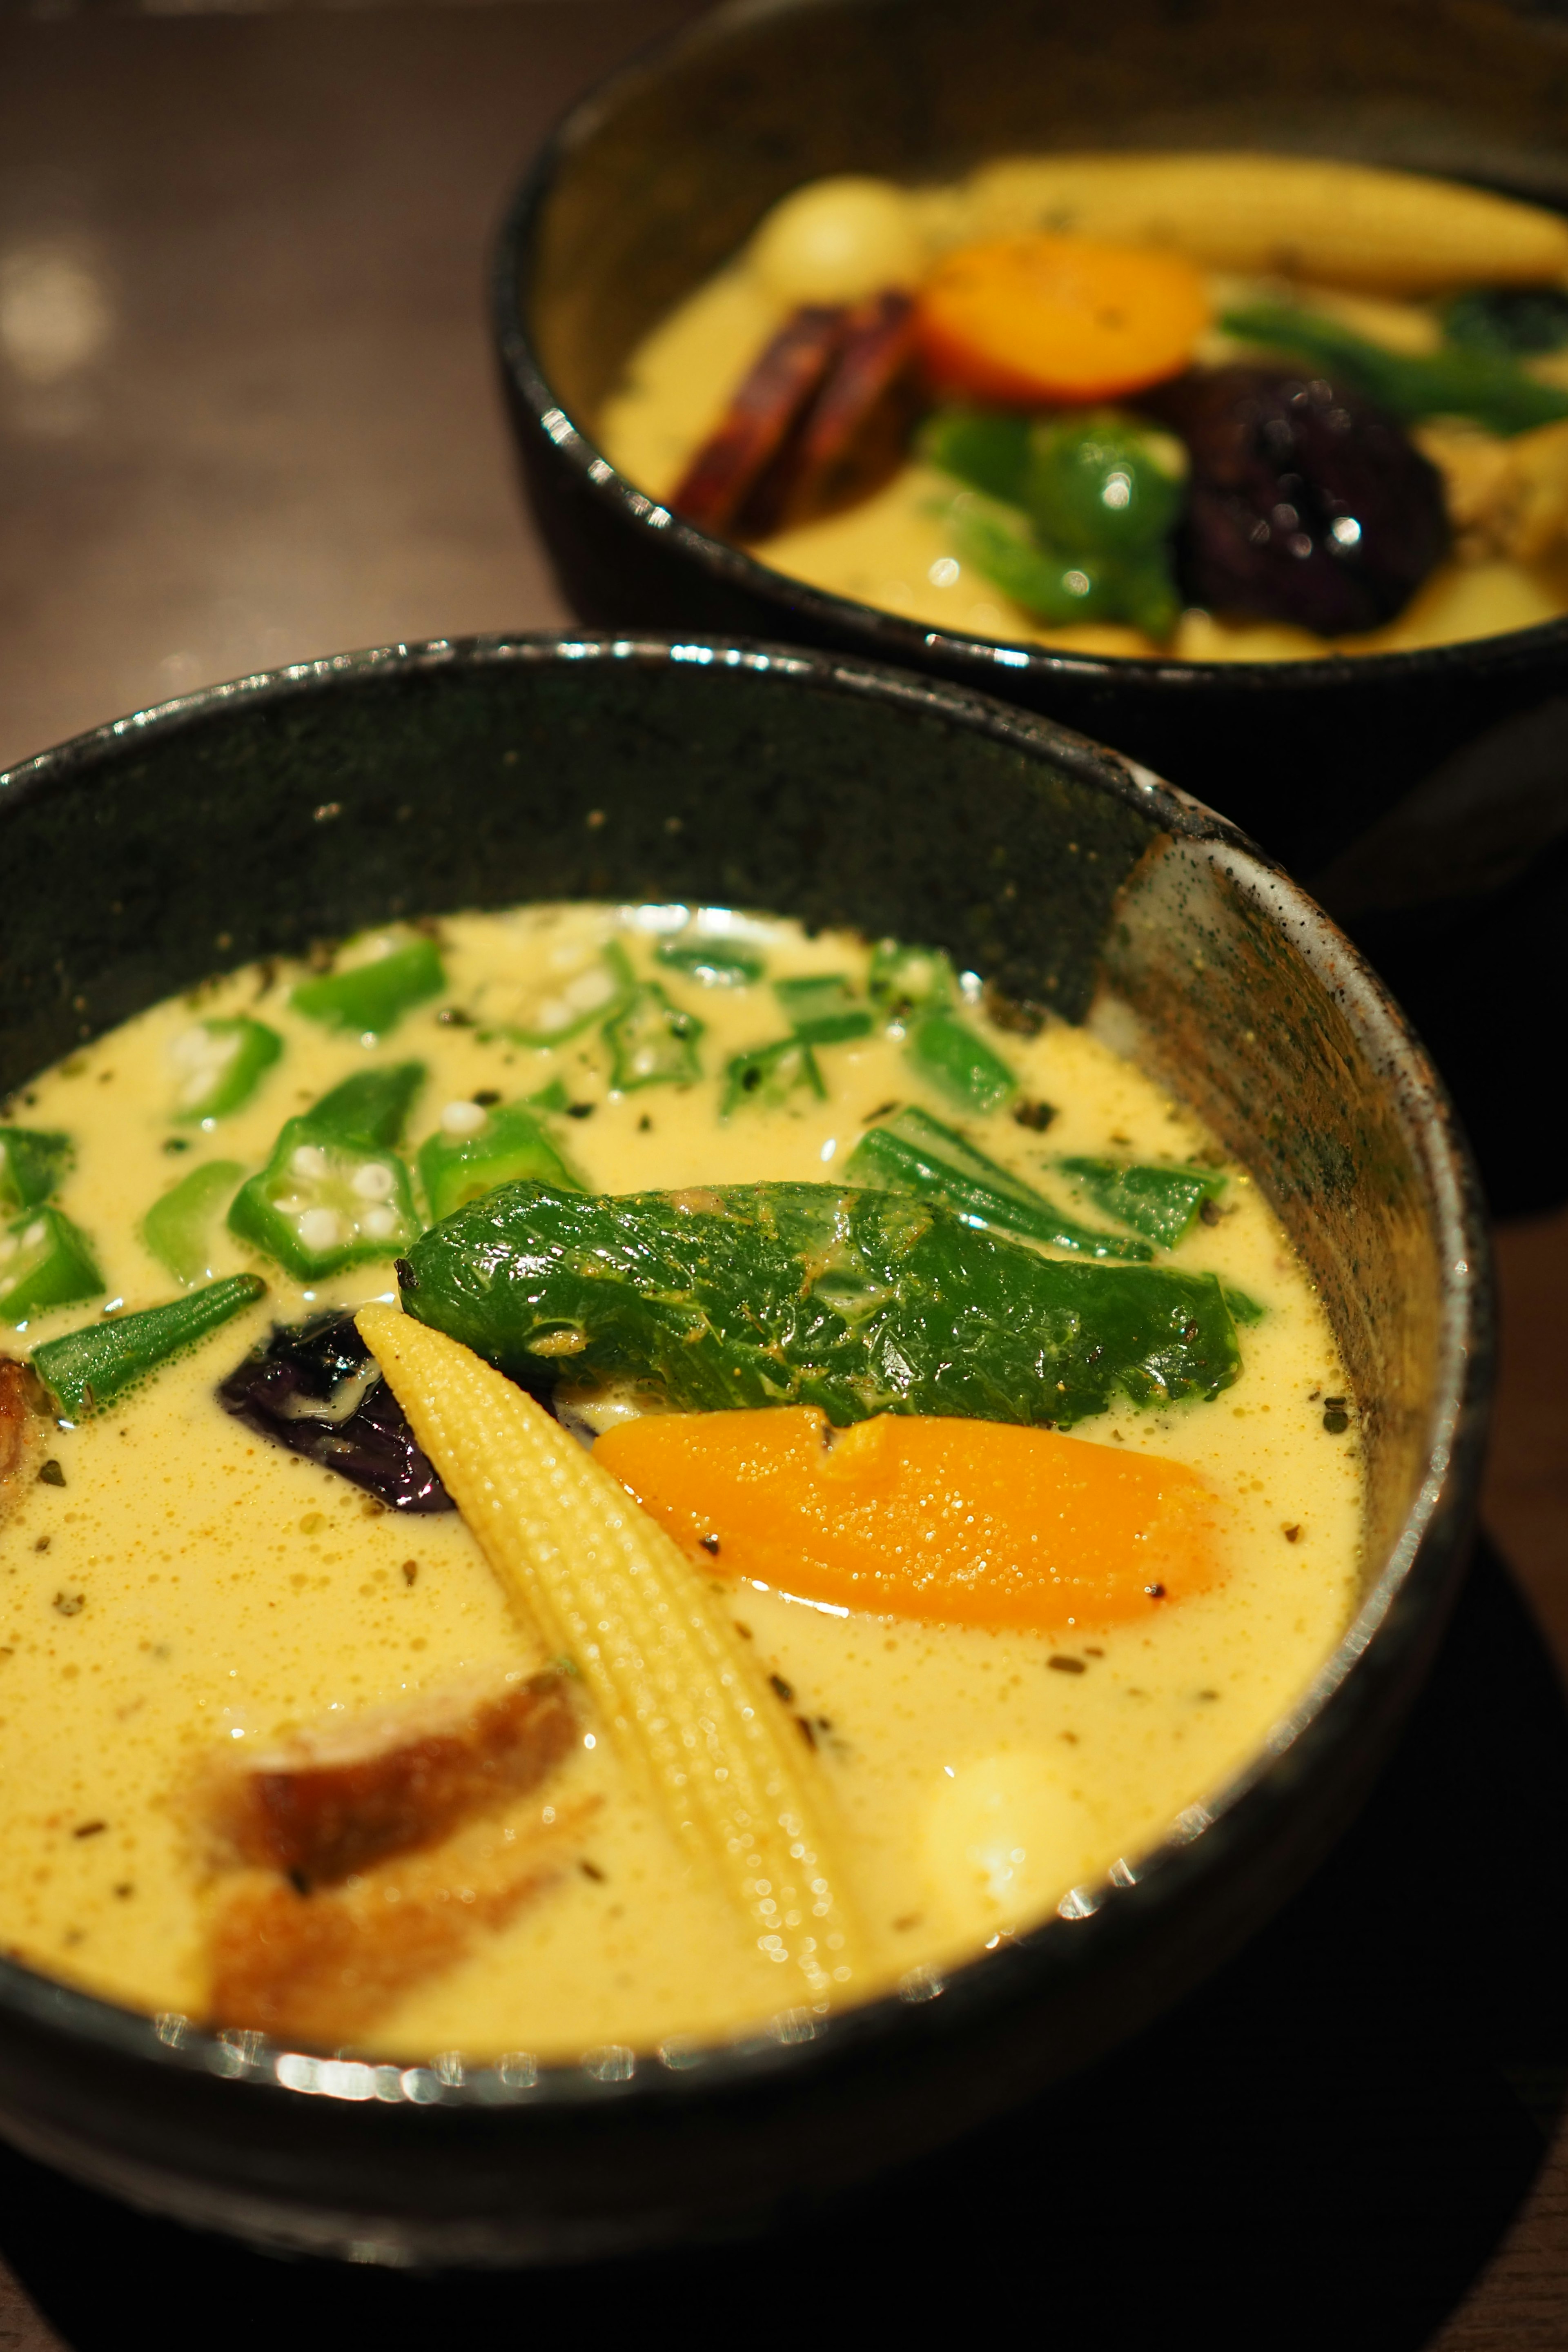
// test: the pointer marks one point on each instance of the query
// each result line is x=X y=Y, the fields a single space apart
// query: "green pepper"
x=951 y=1058
x=767 y=1076
x=464 y=1160
x=821 y=1009
x=1482 y=384
x=652 y=1042
x=1061 y=586
x=603 y=989
x=88 y=1369
x=1161 y=1203
x=1104 y=484
x=371 y=998
x=333 y=1194
x=715 y=963
x=32 y=1165
x=986 y=448
x=177 y=1227
x=858 y=1302
x=904 y=979
x=221 y=1063
x=44 y=1260
x=555 y=1097
x=915 y=1153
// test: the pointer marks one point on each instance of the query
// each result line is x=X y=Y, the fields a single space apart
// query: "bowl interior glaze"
x=254 y=819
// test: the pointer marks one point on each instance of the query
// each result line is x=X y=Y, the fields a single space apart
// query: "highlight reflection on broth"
x=1229 y=406
x=587 y=1476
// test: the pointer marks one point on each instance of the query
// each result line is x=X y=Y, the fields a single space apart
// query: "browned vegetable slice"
x=857 y=431
x=396 y=1785
x=770 y=403
x=21 y=1429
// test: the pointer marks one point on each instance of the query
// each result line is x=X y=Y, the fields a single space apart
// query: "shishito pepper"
x=474 y=1150
x=221 y=1063
x=373 y=997
x=32 y=1164
x=1161 y=1203
x=652 y=1042
x=86 y=1369
x=858 y=1302
x=177 y=1228
x=912 y=1152
x=334 y=1194
x=44 y=1260
x=959 y=1063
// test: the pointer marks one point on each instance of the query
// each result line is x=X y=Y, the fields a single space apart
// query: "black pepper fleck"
x=710 y=1544
x=1209 y=1213
x=1064 y=1665
x=786 y=1690
x=51 y=1475
x=1035 y=1114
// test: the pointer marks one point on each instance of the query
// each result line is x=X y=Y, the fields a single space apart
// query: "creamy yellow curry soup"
x=1227 y=407
x=288 y=1743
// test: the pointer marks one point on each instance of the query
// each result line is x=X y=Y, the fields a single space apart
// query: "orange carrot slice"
x=972 y=1522
x=1033 y=318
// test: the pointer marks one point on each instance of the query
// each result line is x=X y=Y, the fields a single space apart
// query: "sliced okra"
x=712 y=962
x=952 y=1058
x=822 y=1009
x=323 y=1203
x=372 y=997
x=178 y=1227
x=476 y=1149
x=219 y=1065
x=44 y=1260
x=32 y=1164
x=371 y=1107
x=769 y=1074
x=597 y=992
x=907 y=980
x=652 y=1042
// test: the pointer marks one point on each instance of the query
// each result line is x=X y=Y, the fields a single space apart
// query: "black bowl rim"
x=886 y=635
x=1435 y=1531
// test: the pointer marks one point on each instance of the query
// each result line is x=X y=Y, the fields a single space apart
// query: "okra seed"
x=379 y=1223
x=321 y=1229
x=463 y=1119
x=309 y=1160
x=374 y=1181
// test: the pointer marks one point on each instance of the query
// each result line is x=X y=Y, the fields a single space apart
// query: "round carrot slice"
x=1058 y=318
x=971 y=1522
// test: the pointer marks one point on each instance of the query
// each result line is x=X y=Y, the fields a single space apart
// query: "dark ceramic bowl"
x=255 y=817
x=1424 y=795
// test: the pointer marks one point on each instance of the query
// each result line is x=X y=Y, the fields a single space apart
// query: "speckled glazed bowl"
x=1424 y=796
x=255 y=817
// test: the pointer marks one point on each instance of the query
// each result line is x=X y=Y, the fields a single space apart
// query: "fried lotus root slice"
x=768 y=403
x=964 y=1522
x=23 y=1421
x=325 y=1968
x=396 y=1782
x=687 y=1707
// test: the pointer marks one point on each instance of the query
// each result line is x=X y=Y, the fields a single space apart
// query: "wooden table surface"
x=247 y=415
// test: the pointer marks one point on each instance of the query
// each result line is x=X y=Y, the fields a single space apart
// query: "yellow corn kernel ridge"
x=607 y=1586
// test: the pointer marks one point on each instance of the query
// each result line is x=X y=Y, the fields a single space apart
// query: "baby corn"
x=652 y=1641
x=1347 y=224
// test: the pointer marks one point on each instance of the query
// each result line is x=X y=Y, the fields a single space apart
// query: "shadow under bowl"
x=1423 y=794
x=252 y=819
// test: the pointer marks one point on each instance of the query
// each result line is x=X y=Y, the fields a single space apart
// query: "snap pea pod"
x=1064 y=585
x=177 y=1227
x=1160 y=1202
x=915 y=1153
x=86 y=1369
x=1454 y=382
x=858 y=1302
x=32 y=1164
x=373 y=997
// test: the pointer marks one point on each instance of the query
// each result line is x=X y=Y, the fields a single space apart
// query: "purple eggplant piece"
x=317 y=1390
x=1307 y=503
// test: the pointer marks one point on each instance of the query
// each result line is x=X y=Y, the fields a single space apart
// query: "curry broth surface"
x=192 y=1587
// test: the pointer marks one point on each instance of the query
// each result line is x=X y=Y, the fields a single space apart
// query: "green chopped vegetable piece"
x=1063 y=585
x=769 y=1074
x=822 y=1009
x=915 y=1153
x=553 y=1096
x=987 y=449
x=858 y=1302
x=1243 y=1308
x=177 y=1228
x=221 y=1064
x=1521 y=321
x=511 y=1146
x=951 y=1058
x=333 y=1194
x=1481 y=384
x=716 y=963
x=1159 y=1201
x=88 y=1369
x=32 y=1165
x=371 y=998
x=371 y=1107
x=44 y=1260
x=652 y=1042
x=1103 y=483
x=598 y=992
x=904 y=979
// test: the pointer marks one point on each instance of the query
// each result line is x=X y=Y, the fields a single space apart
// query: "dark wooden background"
x=247 y=415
